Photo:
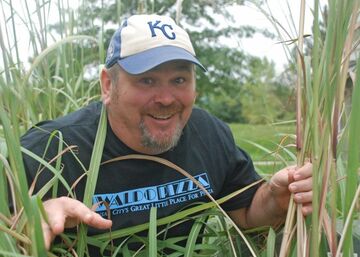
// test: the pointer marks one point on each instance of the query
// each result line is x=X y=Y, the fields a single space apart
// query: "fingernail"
x=306 y=211
x=292 y=187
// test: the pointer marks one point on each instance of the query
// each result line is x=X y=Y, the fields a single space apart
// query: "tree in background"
x=234 y=77
x=264 y=99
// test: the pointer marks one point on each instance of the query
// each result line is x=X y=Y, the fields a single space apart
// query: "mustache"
x=160 y=109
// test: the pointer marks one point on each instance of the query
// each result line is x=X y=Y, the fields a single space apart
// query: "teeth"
x=161 y=117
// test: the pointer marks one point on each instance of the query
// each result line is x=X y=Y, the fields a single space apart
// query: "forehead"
x=177 y=65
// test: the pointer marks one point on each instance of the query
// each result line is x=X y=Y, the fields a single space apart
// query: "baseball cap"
x=145 y=41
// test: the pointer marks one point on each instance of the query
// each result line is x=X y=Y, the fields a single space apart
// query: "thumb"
x=48 y=234
x=281 y=179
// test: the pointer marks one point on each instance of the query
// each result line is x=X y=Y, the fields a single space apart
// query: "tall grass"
x=57 y=82
x=60 y=79
x=325 y=132
x=54 y=84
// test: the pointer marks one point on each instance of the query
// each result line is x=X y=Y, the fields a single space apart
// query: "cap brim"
x=146 y=60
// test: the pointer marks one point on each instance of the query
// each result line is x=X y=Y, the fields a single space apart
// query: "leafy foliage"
x=210 y=25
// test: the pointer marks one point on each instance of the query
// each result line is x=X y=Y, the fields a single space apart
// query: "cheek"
x=128 y=103
x=120 y=98
x=187 y=102
x=188 y=99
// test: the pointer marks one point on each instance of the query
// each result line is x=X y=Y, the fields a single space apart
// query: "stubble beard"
x=159 y=145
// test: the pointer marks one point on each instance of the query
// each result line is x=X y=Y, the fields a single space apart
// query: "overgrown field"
x=271 y=146
x=61 y=76
x=259 y=139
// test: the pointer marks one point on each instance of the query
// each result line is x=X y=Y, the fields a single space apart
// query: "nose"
x=164 y=95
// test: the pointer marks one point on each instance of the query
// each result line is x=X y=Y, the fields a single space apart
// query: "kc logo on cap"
x=162 y=28
x=146 y=41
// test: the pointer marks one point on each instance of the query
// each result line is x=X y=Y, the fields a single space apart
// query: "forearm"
x=265 y=208
x=271 y=201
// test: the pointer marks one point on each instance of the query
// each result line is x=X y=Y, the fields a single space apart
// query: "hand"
x=293 y=180
x=65 y=212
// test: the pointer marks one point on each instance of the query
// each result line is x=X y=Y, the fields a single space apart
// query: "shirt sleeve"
x=241 y=173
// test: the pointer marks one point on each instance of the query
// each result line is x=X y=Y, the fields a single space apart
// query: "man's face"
x=149 y=111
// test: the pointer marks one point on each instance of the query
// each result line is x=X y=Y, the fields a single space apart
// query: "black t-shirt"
x=206 y=150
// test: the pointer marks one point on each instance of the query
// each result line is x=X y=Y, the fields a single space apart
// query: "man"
x=148 y=89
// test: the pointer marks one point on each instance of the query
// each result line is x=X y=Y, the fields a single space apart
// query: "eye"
x=147 y=81
x=179 y=80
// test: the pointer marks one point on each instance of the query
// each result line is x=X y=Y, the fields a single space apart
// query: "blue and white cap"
x=146 y=41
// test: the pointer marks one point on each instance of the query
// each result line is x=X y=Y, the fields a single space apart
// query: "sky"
x=261 y=46
x=246 y=14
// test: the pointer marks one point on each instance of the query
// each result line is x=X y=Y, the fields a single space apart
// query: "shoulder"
x=207 y=124
x=206 y=132
x=76 y=122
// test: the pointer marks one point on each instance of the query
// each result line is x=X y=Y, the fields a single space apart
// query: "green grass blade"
x=38 y=237
x=270 y=243
x=15 y=156
x=11 y=254
x=152 y=233
x=96 y=158
x=193 y=236
x=353 y=163
x=3 y=183
x=51 y=48
x=57 y=174
x=14 y=235
x=93 y=175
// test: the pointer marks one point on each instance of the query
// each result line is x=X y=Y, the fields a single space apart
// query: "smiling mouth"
x=161 y=117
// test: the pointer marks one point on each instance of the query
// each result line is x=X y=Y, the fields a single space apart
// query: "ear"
x=196 y=95
x=105 y=84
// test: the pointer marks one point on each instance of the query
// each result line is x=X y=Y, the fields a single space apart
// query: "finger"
x=56 y=215
x=304 y=197
x=65 y=212
x=95 y=220
x=48 y=234
x=79 y=212
x=306 y=209
x=303 y=172
x=291 y=171
x=304 y=185
x=282 y=178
